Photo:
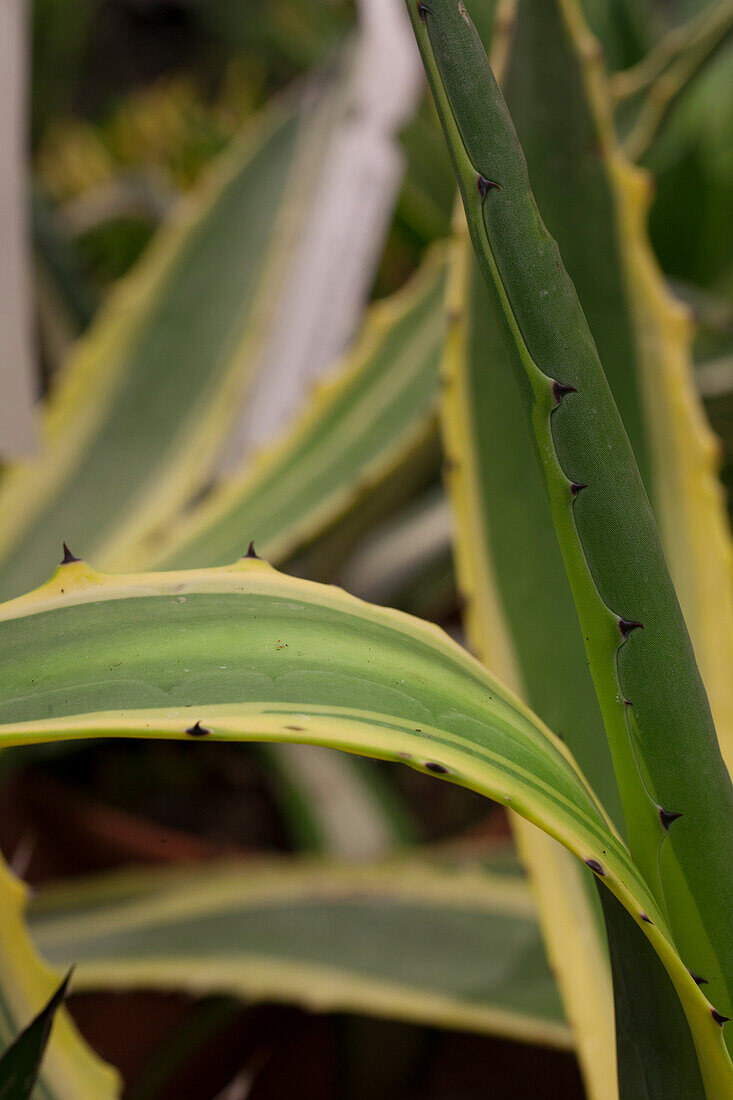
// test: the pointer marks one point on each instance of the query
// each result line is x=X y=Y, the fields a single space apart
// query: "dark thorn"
x=697 y=979
x=718 y=1018
x=438 y=769
x=560 y=390
x=198 y=731
x=296 y=729
x=667 y=817
x=484 y=186
x=627 y=625
x=575 y=488
x=68 y=556
x=252 y=553
x=646 y=919
x=596 y=867
x=423 y=9
x=628 y=703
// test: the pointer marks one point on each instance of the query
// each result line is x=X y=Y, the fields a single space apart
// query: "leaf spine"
x=667 y=817
x=198 y=730
x=627 y=625
x=68 y=557
x=484 y=186
x=560 y=390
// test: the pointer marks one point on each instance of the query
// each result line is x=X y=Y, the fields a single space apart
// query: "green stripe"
x=608 y=537
x=387 y=923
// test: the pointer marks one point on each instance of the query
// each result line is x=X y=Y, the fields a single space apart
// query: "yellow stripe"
x=321 y=989
x=380 y=321
x=271 y=882
x=70 y=1068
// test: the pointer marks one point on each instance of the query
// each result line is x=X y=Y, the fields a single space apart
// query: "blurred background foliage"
x=129 y=102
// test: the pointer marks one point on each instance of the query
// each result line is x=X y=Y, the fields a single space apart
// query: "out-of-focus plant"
x=219 y=651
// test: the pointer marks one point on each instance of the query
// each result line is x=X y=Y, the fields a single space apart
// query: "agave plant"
x=615 y=781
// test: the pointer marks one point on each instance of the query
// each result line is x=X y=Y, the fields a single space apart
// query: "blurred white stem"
x=350 y=211
x=17 y=359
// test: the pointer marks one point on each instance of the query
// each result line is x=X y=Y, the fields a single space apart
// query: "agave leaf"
x=141 y=409
x=519 y=620
x=376 y=411
x=30 y=988
x=244 y=652
x=453 y=946
x=20 y=1065
x=637 y=641
x=509 y=566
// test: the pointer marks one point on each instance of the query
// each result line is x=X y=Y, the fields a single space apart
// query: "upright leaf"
x=637 y=642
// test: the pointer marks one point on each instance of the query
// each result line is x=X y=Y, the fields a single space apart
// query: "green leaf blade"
x=456 y=946
x=608 y=536
x=244 y=652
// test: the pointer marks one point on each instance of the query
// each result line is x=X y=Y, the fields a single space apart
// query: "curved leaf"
x=69 y=1069
x=244 y=652
x=454 y=946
